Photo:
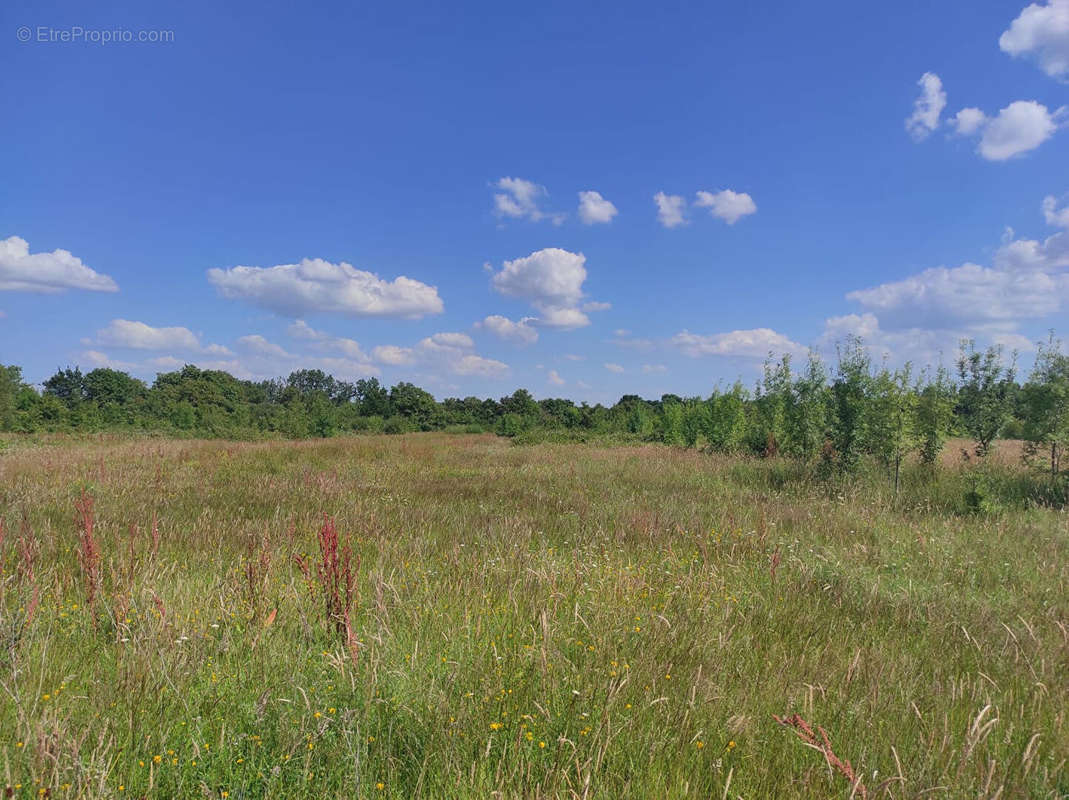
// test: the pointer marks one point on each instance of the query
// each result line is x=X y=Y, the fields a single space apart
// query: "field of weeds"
x=451 y=616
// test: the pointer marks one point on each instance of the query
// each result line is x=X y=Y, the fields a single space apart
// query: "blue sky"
x=403 y=181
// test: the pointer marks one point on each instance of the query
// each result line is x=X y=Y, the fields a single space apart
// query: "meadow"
x=552 y=620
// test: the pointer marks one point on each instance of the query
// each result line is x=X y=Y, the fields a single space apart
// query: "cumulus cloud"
x=519 y=199
x=103 y=360
x=594 y=209
x=472 y=364
x=394 y=355
x=727 y=205
x=136 y=335
x=614 y=367
x=1041 y=32
x=918 y=345
x=453 y=352
x=255 y=343
x=968 y=121
x=554 y=377
x=446 y=342
x=1020 y=127
x=315 y=285
x=755 y=343
x=926 y=314
x=46 y=273
x=552 y=281
x=565 y=319
x=969 y=294
x=654 y=369
x=325 y=341
x=1030 y=254
x=927 y=108
x=507 y=330
x=670 y=209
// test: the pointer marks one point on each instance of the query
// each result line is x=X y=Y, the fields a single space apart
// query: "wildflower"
x=542 y=745
x=157 y=759
x=699 y=744
x=380 y=786
x=731 y=745
x=494 y=726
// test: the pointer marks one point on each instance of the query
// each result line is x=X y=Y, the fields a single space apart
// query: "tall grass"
x=545 y=621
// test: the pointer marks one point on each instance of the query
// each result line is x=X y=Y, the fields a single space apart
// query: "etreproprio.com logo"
x=77 y=34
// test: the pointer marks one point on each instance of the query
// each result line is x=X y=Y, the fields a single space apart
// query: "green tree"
x=415 y=405
x=1045 y=401
x=10 y=384
x=850 y=392
x=892 y=425
x=934 y=413
x=807 y=413
x=985 y=394
x=68 y=386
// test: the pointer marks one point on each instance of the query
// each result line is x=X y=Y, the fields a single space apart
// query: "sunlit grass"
x=559 y=620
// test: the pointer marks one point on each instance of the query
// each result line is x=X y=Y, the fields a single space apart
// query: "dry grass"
x=552 y=621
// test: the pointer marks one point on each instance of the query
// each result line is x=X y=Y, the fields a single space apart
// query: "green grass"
x=559 y=620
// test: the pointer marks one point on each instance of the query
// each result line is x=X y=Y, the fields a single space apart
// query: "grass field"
x=545 y=621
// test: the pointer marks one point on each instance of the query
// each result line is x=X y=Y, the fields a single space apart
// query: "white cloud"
x=670 y=208
x=452 y=352
x=344 y=368
x=968 y=121
x=1020 y=127
x=46 y=273
x=1041 y=32
x=595 y=305
x=257 y=344
x=927 y=108
x=552 y=281
x=614 y=368
x=472 y=364
x=727 y=205
x=551 y=277
x=554 y=377
x=755 y=343
x=1030 y=254
x=315 y=285
x=966 y=295
x=504 y=328
x=519 y=199
x=654 y=369
x=325 y=341
x=446 y=342
x=926 y=314
x=394 y=355
x=593 y=208
x=922 y=346
x=99 y=359
x=141 y=336
x=565 y=319
x=1058 y=217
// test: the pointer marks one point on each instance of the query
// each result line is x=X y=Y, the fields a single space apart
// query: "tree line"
x=832 y=418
